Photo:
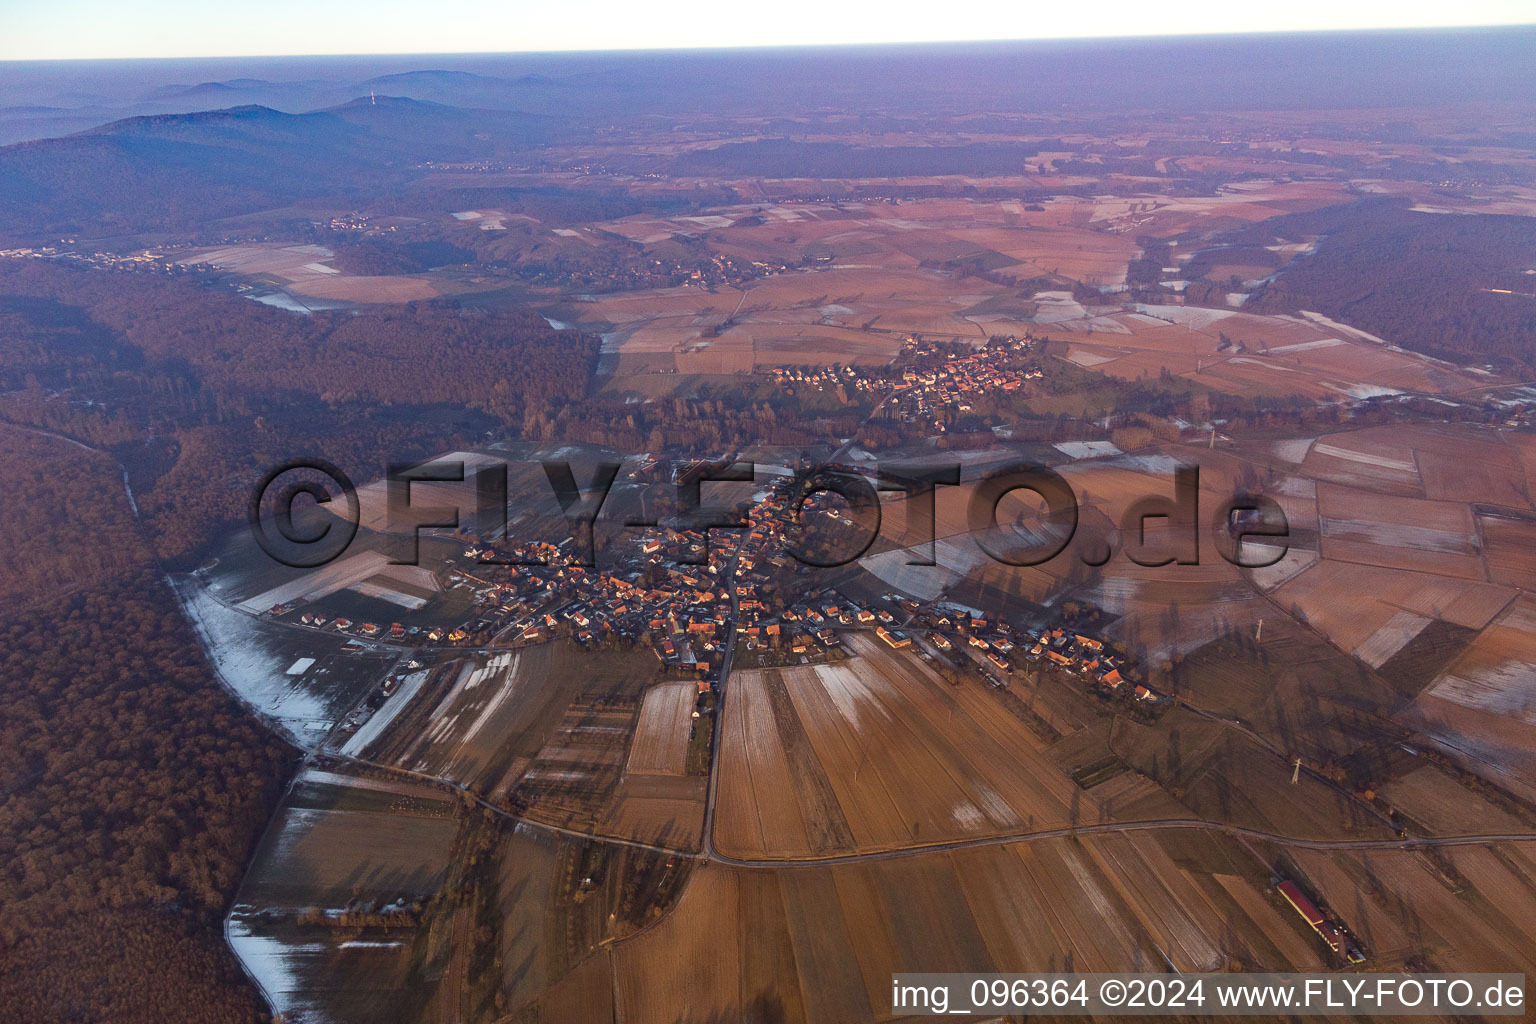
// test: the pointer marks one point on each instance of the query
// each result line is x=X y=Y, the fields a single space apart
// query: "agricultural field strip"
x=815 y=860
x=1162 y=898
x=761 y=757
x=508 y=670
x=468 y=677
x=660 y=744
x=830 y=697
x=977 y=739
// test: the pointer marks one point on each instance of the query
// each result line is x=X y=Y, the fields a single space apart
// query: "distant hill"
x=248 y=126
x=214 y=90
x=169 y=172
x=174 y=171
x=431 y=130
x=209 y=90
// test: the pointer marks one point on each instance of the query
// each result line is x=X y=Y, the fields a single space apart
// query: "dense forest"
x=133 y=786
x=1421 y=280
x=377 y=258
x=246 y=356
x=198 y=391
x=52 y=537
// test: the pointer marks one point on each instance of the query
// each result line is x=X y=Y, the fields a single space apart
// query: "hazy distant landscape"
x=466 y=773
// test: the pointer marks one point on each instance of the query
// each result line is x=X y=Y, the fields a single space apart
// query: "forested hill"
x=1454 y=287
x=175 y=172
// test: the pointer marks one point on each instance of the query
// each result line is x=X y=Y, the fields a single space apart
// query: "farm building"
x=1308 y=910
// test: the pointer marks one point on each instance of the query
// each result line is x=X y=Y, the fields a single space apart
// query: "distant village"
x=931 y=381
x=101 y=260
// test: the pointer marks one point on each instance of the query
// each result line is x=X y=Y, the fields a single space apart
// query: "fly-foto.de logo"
x=1021 y=514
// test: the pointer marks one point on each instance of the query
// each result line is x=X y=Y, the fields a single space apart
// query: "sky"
x=70 y=29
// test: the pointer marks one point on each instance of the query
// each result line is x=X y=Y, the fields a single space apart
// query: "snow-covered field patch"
x=1087 y=449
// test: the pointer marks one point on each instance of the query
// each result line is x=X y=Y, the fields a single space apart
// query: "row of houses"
x=1000 y=644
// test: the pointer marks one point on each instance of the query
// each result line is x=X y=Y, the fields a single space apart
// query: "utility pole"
x=1296 y=772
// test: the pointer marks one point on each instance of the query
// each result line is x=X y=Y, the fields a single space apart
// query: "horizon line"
x=817 y=46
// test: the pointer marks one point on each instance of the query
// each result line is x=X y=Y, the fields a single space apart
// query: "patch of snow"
x=1402 y=627
x=1083 y=357
x=1363 y=391
x=1053 y=307
x=275 y=965
x=1380 y=461
x=1087 y=449
x=1158 y=465
x=1305 y=346
x=1335 y=325
x=850 y=694
x=320 y=583
x=368 y=588
x=1294 y=450
x=968 y=816
x=1507 y=689
x=248 y=666
x=1189 y=316
x=506 y=666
